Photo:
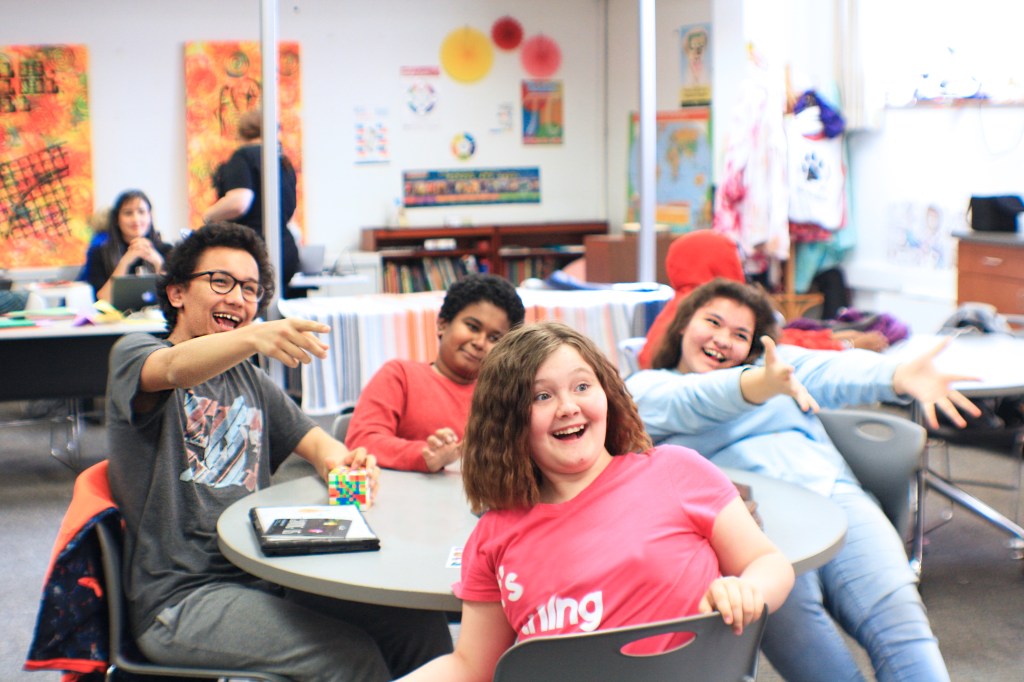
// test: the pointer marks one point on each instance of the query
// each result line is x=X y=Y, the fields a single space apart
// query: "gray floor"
x=973 y=588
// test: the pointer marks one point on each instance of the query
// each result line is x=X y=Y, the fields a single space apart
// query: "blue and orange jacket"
x=71 y=632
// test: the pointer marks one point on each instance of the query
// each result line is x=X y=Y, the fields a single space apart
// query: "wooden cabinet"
x=613 y=257
x=990 y=269
x=430 y=258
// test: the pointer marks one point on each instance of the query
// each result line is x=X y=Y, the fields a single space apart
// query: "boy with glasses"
x=193 y=427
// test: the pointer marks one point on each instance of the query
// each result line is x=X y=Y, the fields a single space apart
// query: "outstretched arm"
x=920 y=379
x=196 y=360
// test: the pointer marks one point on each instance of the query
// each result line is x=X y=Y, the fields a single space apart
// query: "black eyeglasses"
x=224 y=283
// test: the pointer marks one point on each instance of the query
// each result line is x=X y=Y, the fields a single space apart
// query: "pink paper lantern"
x=541 y=56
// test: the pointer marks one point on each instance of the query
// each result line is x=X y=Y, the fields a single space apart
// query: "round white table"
x=996 y=361
x=422 y=518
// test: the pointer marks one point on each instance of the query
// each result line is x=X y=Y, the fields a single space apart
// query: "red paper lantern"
x=507 y=33
x=541 y=56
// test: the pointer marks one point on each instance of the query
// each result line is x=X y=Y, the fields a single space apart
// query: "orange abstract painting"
x=46 y=193
x=222 y=82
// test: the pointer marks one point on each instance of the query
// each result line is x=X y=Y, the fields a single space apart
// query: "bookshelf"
x=431 y=258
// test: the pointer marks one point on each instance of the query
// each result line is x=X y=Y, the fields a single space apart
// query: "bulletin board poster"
x=695 y=63
x=682 y=169
x=46 y=192
x=474 y=186
x=222 y=82
x=542 y=112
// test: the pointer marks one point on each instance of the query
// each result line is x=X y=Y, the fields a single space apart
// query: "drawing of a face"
x=696 y=43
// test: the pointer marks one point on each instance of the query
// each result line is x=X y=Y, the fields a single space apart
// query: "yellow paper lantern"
x=466 y=55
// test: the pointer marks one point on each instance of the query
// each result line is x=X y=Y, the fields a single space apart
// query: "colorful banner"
x=481 y=186
x=542 y=112
x=683 y=160
x=46 y=193
x=222 y=82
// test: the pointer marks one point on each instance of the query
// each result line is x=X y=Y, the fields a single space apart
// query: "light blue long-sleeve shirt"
x=707 y=412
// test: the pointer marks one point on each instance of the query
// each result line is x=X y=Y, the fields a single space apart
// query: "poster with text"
x=473 y=186
x=372 y=138
x=420 y=85
x=222 y=82
x=695 y=60
x=682 y=169
x=46 y=192
x=542 y=112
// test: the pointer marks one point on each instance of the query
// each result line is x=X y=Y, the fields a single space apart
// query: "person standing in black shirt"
x=239 y=184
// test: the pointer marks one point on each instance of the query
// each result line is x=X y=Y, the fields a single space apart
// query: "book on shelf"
x=435 y=273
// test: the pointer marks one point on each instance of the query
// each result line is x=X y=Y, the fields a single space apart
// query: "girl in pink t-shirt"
x=576 y=539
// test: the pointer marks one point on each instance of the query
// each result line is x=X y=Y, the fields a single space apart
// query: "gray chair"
x=339 y=429
x=123 y=656
x=715 y=655
x=629 y=354
x=884 y=452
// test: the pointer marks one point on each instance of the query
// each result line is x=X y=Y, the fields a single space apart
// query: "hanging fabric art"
x=817 y=176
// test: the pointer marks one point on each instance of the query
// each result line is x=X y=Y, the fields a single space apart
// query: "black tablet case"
x=296 y=535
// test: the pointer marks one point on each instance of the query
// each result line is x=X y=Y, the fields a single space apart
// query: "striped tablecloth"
x=369 y=330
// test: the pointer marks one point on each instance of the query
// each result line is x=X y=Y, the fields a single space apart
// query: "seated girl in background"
x=695 y=397
x=129 y=246
x=580 y=509
x=414 y=413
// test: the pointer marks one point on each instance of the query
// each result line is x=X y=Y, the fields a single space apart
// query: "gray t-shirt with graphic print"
x=175 y=469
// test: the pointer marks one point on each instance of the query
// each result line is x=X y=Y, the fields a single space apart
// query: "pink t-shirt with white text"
x=632 y=548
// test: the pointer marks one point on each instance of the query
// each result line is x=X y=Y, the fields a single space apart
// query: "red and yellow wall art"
x=222 y=82
x=46 y=193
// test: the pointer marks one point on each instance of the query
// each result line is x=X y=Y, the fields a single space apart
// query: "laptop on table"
x=133 y=292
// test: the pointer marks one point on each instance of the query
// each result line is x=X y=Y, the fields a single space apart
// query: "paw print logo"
x=813 y=168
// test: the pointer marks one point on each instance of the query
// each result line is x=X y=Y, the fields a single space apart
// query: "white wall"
x=351 y=54
x=920 y=156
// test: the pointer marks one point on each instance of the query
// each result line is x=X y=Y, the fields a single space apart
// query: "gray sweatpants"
x=302 y=636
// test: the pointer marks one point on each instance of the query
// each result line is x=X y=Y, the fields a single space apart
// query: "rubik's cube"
x=349 y=486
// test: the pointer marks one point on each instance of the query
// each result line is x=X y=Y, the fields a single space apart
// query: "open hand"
x=920 y=379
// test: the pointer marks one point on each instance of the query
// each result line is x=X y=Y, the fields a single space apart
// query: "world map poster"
x=682 y=170
x=222 y=82
x=46 y=192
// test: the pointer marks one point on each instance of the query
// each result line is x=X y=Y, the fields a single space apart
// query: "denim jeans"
x=870 y=591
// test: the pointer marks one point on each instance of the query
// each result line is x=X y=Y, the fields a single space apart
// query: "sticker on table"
x=454 y=558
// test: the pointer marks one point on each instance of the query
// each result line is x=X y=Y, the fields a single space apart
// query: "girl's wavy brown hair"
x=670 y=351
x=497 y=469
